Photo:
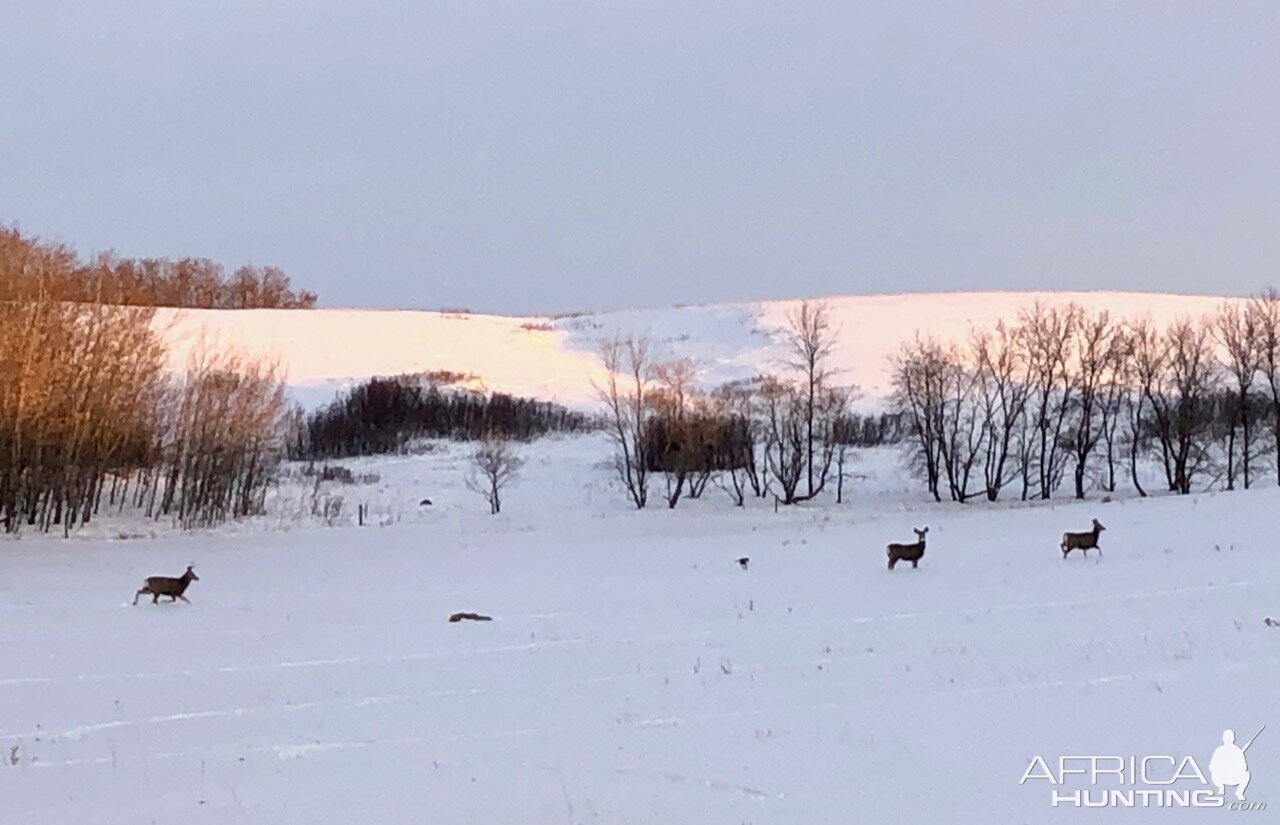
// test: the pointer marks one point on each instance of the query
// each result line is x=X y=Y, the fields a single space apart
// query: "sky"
x=532 y=157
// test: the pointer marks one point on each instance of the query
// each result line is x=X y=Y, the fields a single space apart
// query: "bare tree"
x=1237 y=330
x=626 y=389
x=941 y=397
x=962 y=431
x=223 y=434
x=810 y=342
x=1145 y=374
x=1047 y=333
x=77 y=377
x=1265 y=310
x=1093 y=372
x=784 y=435
x=919 y=375
x=844 y=444
x=494 y=464
x=1178 y=375
x=1003 y=388
x=671 y=403
x=1115 y=394
x=788 y=446
x=799 y=414
x=736 y=404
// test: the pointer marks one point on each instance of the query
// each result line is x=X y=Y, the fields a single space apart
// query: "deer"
x=158 y=586
x=908 y=552
x=1082 y=541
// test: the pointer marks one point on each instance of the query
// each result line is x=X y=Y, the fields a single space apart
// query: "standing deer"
x=158 y=586
x=1082 y=541
x=908 y=552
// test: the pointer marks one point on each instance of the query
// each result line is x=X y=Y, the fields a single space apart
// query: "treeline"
x=383 y=415
x=1064 y=393
x=196 y=283
x=784 y=436
x=90 y=417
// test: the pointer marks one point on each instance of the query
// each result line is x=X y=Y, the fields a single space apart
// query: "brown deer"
x=159 y=586
x=908 y=552
x=1082 y=541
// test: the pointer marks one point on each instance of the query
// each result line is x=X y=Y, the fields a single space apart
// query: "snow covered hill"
x=556 y=359
x=633 y=672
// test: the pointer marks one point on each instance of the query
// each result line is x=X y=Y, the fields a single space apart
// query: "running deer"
x=1082 y=541
x=158 y=586
x=908 y=552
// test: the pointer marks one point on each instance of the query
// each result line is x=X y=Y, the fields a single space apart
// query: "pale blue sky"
x=546 y=156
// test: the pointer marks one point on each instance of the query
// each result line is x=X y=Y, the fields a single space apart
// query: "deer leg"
x=184 y=598
x=138 y=595
x=155 y=598
x=892 y=562
x=915 y=563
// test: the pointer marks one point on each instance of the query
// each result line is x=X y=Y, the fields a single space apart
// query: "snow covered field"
x=632 y=672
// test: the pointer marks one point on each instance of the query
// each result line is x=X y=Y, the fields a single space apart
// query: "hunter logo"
x=1228 y=765
x=1153 y=781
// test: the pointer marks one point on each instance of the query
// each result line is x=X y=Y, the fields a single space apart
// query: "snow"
x=632 y=672
x=557 y=359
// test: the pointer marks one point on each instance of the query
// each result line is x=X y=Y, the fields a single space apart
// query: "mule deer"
x=908 y=552
x=158 y=586
x=1082 y=541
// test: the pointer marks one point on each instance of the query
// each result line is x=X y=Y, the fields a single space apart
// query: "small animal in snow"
x=1084 y=542
x=475 y=617
x=743 y=562
x=158 y=586
x=908 y=552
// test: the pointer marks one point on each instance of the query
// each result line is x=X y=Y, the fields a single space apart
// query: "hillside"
x=555 y=359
